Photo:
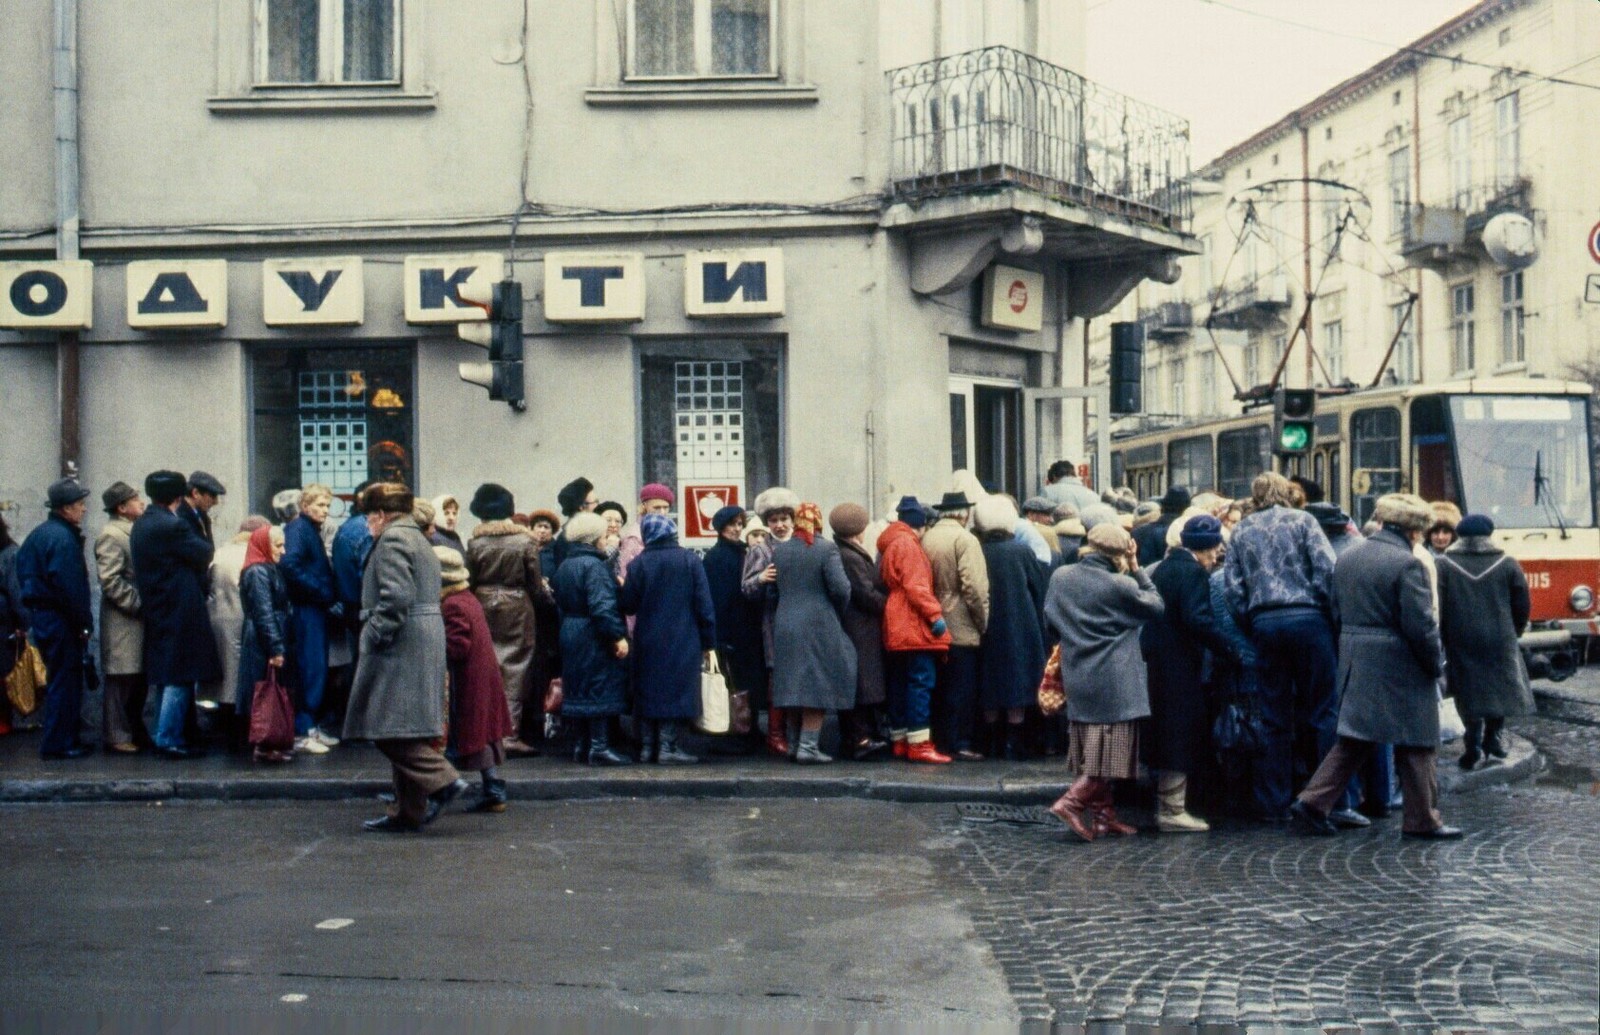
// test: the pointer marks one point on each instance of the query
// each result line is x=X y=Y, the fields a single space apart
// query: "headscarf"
x=807 y=522
x=657 y=528
x=260 y=549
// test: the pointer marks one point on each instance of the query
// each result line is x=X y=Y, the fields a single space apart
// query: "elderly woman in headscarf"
x=774 y=511
x=264 y=643
x=446 y=514
x=594 y=644
x=1096 y=609
x=479 y=719
x=674 y=635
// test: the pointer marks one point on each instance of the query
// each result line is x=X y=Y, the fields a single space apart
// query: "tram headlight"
x=1581 y=598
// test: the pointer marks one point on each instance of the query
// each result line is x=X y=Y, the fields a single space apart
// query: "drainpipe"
x=1305 y=237
x=1416 y=186
x=65 y=94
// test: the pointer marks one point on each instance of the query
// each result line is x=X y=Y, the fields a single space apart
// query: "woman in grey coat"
x=1096 y=608
x=1483 y=610
x=1389 y=660
x=814 y=664
x=397 y=695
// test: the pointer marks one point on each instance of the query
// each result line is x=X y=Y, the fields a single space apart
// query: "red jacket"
x=912 y=607
x=478 y=711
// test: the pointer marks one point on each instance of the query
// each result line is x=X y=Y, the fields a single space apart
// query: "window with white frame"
x=1175 y=379
x=688 y=39
x=1280 y=344
x=1333 y=350
x=1252 y=365
x=1507 y=140
x=1513 y=339
x=316 y=42
x=1461 y=162
x=1399 y=188
x=1463 y=335
x=1404 y=363
x=1207 y=401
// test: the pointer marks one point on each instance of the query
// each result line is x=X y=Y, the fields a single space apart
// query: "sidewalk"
x=359 y=771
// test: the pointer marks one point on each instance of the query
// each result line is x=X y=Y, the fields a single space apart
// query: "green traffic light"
x=1294 y=437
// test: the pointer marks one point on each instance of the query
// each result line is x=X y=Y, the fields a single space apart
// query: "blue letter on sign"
x=172 y=293
x=717 y=286
x=437 y=288
x=55 y=293
x=593 y=280
x=310 y=291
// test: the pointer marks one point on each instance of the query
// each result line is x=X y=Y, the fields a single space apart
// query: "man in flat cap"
x=55 y=589
x=204 y=493
x=121 y=625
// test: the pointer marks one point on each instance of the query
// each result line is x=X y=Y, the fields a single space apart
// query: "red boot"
x=900 y=747
x=1105 y=817
x=924 y=751
x=1073 y=809
x=777 y=733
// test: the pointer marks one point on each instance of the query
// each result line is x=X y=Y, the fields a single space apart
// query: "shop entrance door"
x=986 y=431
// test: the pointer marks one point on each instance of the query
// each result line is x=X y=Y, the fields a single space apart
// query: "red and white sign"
x=700 y=503
x=1594 y=242
x=1013 y=299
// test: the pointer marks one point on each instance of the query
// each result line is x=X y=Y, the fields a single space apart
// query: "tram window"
x=1241 y=455
x=1331 y=484
x=1375 y=454
x=1119 y=470
x=1319 y=468
x=1433 y=469
x=1523 y=460
x=1189 y=463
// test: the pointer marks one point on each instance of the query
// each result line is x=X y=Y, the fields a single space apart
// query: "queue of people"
x=927 y=636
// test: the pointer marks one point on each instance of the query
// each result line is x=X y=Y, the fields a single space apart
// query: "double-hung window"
x=1404 y=363
x=327 y=42
x=1507 y=140
x=1513 y=336
x=1461 y=162
x=1464 y=343
x=697 y=39
x=1399 y=188
x=1333 y=350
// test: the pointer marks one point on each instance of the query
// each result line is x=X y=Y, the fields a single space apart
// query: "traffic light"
x=501 y=334
x=1127 y=367
x=1294 y=421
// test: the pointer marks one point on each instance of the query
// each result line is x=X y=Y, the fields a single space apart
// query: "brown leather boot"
x=777 y=733
x=1073 y=809
x=1105 y=817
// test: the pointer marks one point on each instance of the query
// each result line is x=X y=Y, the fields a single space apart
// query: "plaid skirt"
x=1107 y=751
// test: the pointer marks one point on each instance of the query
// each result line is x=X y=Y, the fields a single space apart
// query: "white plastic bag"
x=713 y=698
x=1450 y=725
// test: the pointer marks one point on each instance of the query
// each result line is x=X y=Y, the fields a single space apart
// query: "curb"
x=1567 y=708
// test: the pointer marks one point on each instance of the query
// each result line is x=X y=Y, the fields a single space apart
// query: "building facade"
x=835 y=245
x=1377 y=195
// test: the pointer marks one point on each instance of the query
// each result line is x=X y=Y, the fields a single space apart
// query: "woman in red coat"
x=480 y=720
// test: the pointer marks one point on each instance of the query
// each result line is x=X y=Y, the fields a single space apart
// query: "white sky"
x=1230 y=73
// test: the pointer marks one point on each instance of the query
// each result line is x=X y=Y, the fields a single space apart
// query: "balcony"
x=996 y=142
x=1169 y=321
x=1439 y=237
x=1257 y=305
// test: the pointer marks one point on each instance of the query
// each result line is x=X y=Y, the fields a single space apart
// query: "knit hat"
x=657 y=491
x=493 y=503
x=994 y=514
x=1404 y=510
x=776 y=498
x=1038 y=505
x=1475 y=525
x=726 y=516
x=165 y=486
x=118 y=494
x=1201 y=532
x=65 y=493
x=586 y=528
x=388 y=498
x=752 y=525
x=848 y=520
x=573 y=494
x=452 y=569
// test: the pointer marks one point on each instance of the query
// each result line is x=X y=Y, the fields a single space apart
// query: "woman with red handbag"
x=264 y=643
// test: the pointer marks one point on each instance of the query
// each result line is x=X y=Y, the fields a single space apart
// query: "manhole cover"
x=983 y=812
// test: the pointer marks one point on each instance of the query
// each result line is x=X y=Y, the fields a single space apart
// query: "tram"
x=1516 y=449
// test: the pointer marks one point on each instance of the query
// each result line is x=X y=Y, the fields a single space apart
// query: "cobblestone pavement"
x=1253 y=926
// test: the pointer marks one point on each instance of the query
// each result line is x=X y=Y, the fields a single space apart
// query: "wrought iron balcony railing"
x=998 y=115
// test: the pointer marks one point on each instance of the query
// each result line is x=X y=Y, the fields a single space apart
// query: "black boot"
x=600 y=751
x=494 y=796
x=1016 y=749
x=669 y=752
x=1493 y=746
x=580 y=742
x=649 y=736
x=1471 y=740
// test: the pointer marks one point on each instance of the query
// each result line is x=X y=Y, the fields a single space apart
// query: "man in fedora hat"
x=55 y=589
x=961 y=582
x=121 y=625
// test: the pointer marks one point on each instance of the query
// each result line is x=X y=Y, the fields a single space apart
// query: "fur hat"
x=605 y=506
x=776 y=498
x=387 y=498
x=1475 y=525
x=1445 y=514
x=165 y=486
x=995 y=514
x=118 y=494
x=1146 y=513
x=286 y=505
x=548 y=516
x=1176 y=501
x=657 y=491
x=493 y=502
x=586 y=527
x=1404 y=510
x=725 y=517
x=573 y=494
x=848 y=520
x=452 y=569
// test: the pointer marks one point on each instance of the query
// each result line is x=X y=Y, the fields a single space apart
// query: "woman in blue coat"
x=594 y=642
x=309 y=574
x=675 y=629
x=1011 y=655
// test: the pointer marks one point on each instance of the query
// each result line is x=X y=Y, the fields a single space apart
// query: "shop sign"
x=434 y=283
x=593 y=287
x=741 y=283
x=1013 y=299
x=178 y=293
x=322 y=292
x=47 y=295
x=701 y=501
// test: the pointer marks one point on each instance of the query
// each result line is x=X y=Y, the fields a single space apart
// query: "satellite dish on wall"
x=1511 y=240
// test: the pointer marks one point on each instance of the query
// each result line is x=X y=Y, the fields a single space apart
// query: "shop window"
x=711 y=412
x=336 y=416
x=327 y=41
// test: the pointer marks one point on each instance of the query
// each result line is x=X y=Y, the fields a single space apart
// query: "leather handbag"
x=1052 y=695
x=26 y=682
x=553 y=697
x=1239 y=729
x=741 y=720
x=714 y=705
x=271 y=715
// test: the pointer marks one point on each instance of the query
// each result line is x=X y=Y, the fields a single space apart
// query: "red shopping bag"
x=271 y=715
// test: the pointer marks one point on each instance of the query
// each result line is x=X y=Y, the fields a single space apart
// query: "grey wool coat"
x=1483 y=608
x=814 y=663
x=398 y=689
x=121 y=628
x=1389 y=653
x=1096 y=613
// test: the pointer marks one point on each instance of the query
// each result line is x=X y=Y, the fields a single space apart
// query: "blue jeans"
x=911 y=677
x=176 y=701
x=1297 y=669
x=63 y=694
x=309 y=632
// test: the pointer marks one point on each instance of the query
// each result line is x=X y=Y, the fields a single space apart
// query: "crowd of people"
x=1260 y=656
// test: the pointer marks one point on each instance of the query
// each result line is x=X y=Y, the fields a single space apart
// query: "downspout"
x=65 y=95
x=1416 y=167
x=1305 y=236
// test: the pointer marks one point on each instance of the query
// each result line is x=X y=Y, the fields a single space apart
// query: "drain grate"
x=984 y=812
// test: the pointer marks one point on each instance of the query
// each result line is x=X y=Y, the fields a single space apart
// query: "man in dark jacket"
x=203 y=493
x=55 y=589
x=171 y=563
x=1152 y=538
x=1390 y=660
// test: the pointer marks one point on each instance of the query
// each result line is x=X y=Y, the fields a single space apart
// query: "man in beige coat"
x=961 y=582
x=121 y=628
